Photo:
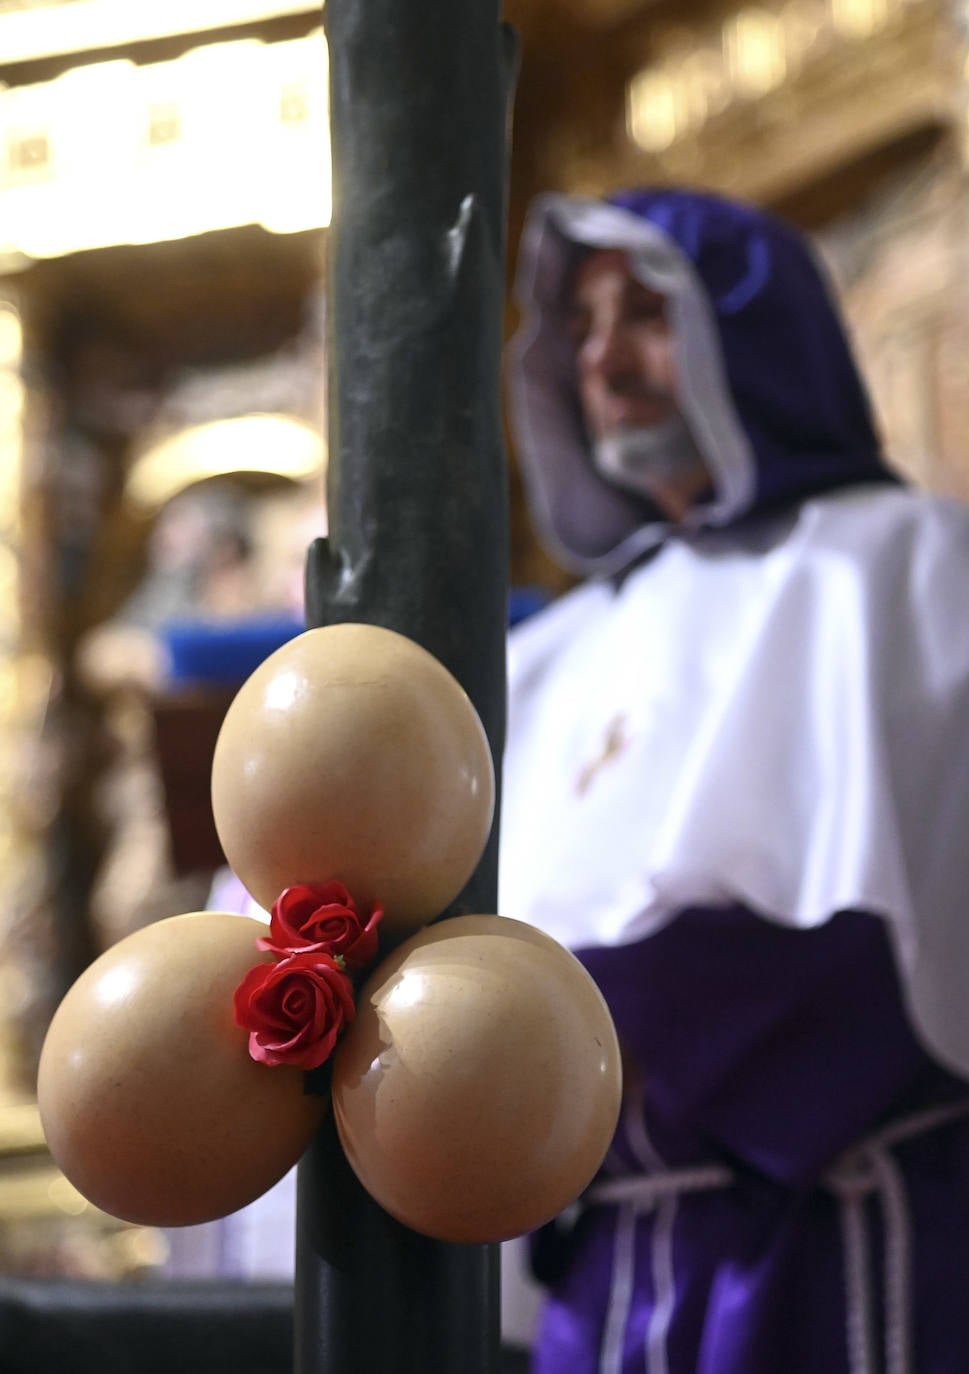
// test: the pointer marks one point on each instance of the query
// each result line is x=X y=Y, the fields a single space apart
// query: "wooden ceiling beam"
x=59 y=30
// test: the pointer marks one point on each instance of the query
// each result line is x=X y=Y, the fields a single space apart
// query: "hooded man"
x=737 y=786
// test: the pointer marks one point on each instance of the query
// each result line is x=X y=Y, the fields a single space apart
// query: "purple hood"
x=768 y=383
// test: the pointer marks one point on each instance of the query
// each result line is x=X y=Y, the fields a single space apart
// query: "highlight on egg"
x=150 y=1102
x=478 y=1090
x=352 y=754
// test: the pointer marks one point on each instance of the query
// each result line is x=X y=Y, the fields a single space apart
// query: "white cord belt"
x=866 y=1170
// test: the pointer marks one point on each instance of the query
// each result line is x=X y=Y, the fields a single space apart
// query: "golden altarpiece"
x=163 y=203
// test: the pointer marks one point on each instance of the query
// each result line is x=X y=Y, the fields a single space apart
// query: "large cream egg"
x=149 y=1100
x=352 y=754
x=478 y=1089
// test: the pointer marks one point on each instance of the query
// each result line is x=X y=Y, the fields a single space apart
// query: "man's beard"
x=650 y=459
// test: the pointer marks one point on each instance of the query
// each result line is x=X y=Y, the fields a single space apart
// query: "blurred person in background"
x=199 y=567
x=258 y=1242
x=222 y=586
x=737 y=785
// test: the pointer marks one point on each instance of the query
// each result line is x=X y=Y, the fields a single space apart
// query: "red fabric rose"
x=295 y=1009
x=322 y=917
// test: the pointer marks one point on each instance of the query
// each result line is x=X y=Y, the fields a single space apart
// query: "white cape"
x=777 y=717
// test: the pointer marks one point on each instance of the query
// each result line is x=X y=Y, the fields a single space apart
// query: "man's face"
x=624 y=347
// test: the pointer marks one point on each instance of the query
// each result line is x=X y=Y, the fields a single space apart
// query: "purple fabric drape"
x=767 y=1053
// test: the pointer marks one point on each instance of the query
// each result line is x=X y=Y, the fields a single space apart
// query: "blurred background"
x=164 y=201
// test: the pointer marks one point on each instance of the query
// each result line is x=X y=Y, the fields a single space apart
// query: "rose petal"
x=295 y=1009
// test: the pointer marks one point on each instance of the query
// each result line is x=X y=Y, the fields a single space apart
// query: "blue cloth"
x=223 y=653
x=227 y=652
x=525 y=601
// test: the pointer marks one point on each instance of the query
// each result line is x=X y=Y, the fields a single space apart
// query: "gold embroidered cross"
x=614 y=743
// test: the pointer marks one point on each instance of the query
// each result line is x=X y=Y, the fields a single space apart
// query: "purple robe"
x=765 y=1055
x=770 y=712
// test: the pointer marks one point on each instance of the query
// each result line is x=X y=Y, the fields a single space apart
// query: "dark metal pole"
x=418 y=543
